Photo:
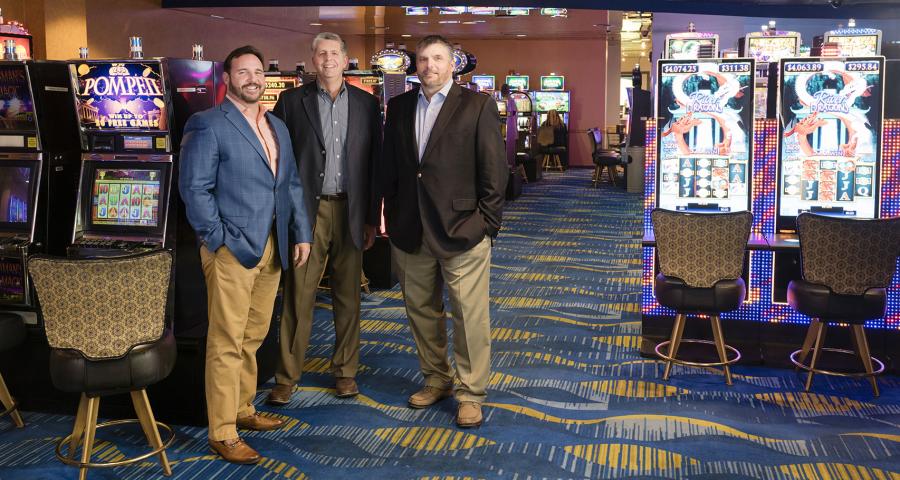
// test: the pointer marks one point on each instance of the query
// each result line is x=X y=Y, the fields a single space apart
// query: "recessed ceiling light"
x=406 y=35
x=480 y=21
x=315 y=24
x=423 y=22
x=470 y=23
x=448 y=21
x=218 y=16
x=521 y=35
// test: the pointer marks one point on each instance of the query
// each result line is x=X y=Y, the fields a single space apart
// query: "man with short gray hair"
x=336 y=133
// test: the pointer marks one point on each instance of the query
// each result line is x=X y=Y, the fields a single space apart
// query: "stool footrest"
x=697 y=364
x=68 y=461
x=806 y=367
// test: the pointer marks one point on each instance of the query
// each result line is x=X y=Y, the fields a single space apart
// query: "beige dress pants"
x=331 y=240
x=240 y=302
x=467 y=276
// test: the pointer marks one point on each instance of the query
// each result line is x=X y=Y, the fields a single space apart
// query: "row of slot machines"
x=88 y=168
x=822 y=145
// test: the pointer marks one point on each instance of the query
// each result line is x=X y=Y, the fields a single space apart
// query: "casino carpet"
x=569 y=395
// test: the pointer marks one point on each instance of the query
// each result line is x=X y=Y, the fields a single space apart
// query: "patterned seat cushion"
x=701 y=249
x=102 y=307
x=849 y=256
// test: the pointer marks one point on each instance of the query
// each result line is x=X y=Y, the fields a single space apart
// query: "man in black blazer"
x=336 y=133
x=444 y=176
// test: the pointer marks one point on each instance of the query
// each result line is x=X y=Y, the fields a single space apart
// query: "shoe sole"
x=469 y=425
x=346 y=395
x=278 y=403
x=419 y=406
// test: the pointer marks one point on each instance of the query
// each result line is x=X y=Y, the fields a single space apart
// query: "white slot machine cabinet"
x=767 y=47
x=123 y=108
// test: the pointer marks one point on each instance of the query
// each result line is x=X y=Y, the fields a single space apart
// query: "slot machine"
x=691 y=45
x=552 y=96
x=830 y=148
x=276 y=82
x=38 y=153
x=123 y=110
x=768 y=47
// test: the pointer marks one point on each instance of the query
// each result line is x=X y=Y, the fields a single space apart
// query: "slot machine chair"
x=846 y=265
x=12 y=333
x=105 y=323
x=701 y=258
x=603 y=158
x=549 y=152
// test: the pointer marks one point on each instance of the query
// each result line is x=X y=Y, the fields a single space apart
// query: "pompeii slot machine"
x=123 y=108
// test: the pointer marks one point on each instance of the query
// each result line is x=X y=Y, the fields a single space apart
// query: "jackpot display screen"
x=125 y=197
x=275 y=84
x=855 y=42
x=705 y=110
x=369 y=83
x=546 y=101
x=120 y=95
x=689 y=46
x=771 y=48
x=484 y=82
x=16 y=102
x=830 y=144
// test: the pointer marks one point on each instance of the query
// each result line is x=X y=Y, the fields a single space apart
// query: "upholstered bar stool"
x=12 y=333
x=105 y=323
x=846 y=266
x=701 y=258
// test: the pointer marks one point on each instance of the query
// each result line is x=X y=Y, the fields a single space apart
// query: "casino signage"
x=120 y=95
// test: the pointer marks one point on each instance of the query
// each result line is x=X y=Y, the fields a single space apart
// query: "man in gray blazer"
x=336 y=133
x=242 y=195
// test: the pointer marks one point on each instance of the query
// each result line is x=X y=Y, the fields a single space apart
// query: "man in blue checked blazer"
x=243 y=197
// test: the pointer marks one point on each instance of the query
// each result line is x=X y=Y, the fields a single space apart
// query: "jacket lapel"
x=234 y=115
x=410 y=126
x=440 y=125
x=355 y=122
x=311 y=106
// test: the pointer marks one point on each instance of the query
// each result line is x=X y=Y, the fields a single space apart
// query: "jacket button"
x=419 y=175
x=318 y=197
x=323 y=152
x=321 y=174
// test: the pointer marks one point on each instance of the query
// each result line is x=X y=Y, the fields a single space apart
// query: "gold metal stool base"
x=13 y=412
x=813 y=370
x=688 y=363
x=71 y=461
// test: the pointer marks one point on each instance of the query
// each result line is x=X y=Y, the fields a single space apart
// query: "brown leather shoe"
x=468 y=415
x=428 y=396
x=345 y=387
x=235 y=451
x=259 y=423
x=280 y=394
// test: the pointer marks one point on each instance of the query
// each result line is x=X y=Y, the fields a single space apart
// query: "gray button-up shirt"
x=333 y=115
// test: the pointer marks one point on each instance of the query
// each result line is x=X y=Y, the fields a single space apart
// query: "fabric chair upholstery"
x=701 y=249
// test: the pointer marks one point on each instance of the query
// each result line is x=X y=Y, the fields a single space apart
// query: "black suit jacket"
x=455 y=196
x=299 y=108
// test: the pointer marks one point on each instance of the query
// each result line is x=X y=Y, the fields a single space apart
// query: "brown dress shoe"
x=468 y=415
x=259 y=422
x=235 y=451
x=428 y=396
x=280 y=394
x=345 y=387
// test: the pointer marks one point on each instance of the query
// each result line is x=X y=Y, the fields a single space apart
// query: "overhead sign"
x=553 y=82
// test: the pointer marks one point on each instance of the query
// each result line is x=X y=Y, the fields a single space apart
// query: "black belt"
x=336 y=196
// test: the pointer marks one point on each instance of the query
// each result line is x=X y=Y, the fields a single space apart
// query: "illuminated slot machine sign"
x=855 y=42
x=275 y=84
x=122 y=105
x=771 y=47
x=18 y=125
x=546 y=101
x=484 y=82
x=830 y=144
x=691 y=45
x=705 y=110
x=369 y=82
x=18 y=195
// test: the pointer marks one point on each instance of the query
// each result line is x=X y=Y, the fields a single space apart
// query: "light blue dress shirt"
x=427 y=113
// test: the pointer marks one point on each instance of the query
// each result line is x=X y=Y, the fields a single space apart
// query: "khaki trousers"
x=331 y=240
x=240 y=302
x=467 y=276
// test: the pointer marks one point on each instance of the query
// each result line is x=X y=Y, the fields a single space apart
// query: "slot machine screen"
x=830 y=142
x=16 y=102
x=546 y=101
x=501 y=107
x=523 y=103
x=120 y=95
x=484 y=82
x=18 y=192
x=369 y=83
x=275 y=84
x=772 y=48
x=705 y=110
x=125 y=197
x=690 y=46
x=856 y=42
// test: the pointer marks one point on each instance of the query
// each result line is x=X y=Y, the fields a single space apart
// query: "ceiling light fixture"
x=521 y=35
x=218 y=16
x=406 y=35
x=423 y=22
x=315 y=24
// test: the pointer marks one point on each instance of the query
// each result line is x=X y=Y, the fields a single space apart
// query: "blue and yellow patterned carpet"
x=569 y=397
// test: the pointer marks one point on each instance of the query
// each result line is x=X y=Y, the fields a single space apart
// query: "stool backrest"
x=102 y=307
x=545 y=136
x=701 y=249
x=848 y=255
x=596 y=138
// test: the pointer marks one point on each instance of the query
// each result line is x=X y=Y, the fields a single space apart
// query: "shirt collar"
x=245 y=109
x=324 y=91
x=443 y=91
